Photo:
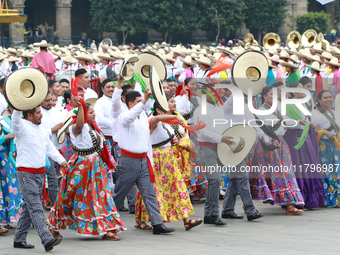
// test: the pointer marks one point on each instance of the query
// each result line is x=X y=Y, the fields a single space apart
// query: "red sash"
x=207 y=144
x=141 y=155
x=32 y=170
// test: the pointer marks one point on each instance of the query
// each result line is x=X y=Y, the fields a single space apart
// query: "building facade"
x=72 y=18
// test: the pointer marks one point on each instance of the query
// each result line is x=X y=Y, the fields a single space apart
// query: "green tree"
x=174 y=16
x=118 y=15
x=319 y=21
x=221 y=15
x=264 y=15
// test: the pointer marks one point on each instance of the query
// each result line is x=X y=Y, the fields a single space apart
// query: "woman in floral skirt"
x=84 y=202
x=328 y=136
x=10 y=196
x=171 y=192
x=279 y=186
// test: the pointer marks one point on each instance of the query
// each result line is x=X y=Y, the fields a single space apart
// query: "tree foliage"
x=174 y=16
x=112 y=15
x=264 y=15
x=229 y=14
x=319 y=21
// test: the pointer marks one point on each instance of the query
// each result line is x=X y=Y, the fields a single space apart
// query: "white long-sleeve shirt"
x=210 y=134
x=3 y=103
x=32 y=143
x=117 y=107
x=179 y=67
x=90 y=93
x=51 y=118
x=104 y=119
x=183 y=105
x=133 y=131
x=4 y=65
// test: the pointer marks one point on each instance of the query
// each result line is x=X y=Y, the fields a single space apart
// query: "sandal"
x=192 y=223
x=142 y=225
x=195 y=201
x=54 y=233
x=8 y=227
x=111 y=237
x=293 y=211
x=3 y=230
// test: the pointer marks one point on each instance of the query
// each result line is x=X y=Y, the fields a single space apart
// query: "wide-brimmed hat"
x=25 y=89
x=117 y=54
x=316 y=66
x=66 y=124
x=157 y=90
x=204 y=61
x=12 y=59
x=326 y=55
x=83 y=56
x=170 y=57
x=250 y=69
x=69 y=59
x=294 y=58
x=91 y=101
x=337 y=101
x=12 y=50
x=146 y=60
x=289 y=64
x=126 y=69
x=43 y=43
x=284 y=54
x=334 y=62
x=2 y=56
x=187 y=60
x=104 y=46
x=244 y=138
x=105 y=56
x=275 y=58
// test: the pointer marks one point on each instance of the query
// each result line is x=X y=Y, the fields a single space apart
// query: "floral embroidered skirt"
x=84 y=202
x=67 y=148
x=332 y=90
x=171 y=192
x=278 y=186
x=10 y=196
x=330 y=161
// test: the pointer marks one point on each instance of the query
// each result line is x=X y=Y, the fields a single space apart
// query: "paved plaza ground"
x=315 y=232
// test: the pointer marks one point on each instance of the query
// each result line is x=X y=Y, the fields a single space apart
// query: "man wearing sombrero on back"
x=44 y=60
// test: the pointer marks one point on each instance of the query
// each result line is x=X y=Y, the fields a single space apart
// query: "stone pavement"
x=315 y=232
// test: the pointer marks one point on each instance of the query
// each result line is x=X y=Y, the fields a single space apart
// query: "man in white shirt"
x=238 y=180
x=85 y=82
x=118 y=106
x=207 y=140
x=52 y=122
x=102 y=109
x=55 y=88
x=33 y=144
x=135 y=160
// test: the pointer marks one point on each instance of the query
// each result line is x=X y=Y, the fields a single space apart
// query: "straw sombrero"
x=244 y=140
x=12 y=59
x=12 y=50
x=69 y=59
x=204 y=61
x=91 y=101
x=104 y=46
x=66 y=123
x=126 y=69
x=250 y=69
x=316 y=66
x=146 y=60
x=337 y=101
x=187 y=60
x=43 y=43
x=25 y=89
x=289 y=64
x=157 y=90
x=105 y=56
x=334 y=62
x=83 y=56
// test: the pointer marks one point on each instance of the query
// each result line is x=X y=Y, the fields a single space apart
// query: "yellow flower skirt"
x=171 y=192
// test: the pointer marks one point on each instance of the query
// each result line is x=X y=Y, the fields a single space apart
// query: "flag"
x=221 y=65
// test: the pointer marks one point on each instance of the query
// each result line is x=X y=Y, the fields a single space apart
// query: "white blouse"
x=160 y=135
x=83 y=140
x=102 y=72
x=271 y=120
x=319 y=119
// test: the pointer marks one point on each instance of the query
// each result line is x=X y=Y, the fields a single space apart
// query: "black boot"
x=23 y=245
x=161 y=229
x=217 y=221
